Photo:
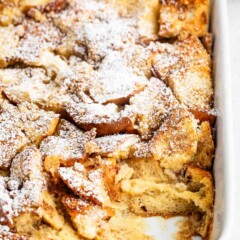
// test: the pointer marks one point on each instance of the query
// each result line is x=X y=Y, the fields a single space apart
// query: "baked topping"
x=98 y=117
x=115 y=82
x=87 y=218
x=115 y=146
x=107 y=119
x=175 y=142
x=177 y=16
x=185 y=67
x=87 y=184
x=148 y=108
x=68 y=148
x=22 y=191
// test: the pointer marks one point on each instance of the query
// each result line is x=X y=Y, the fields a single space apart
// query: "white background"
x=234 y=31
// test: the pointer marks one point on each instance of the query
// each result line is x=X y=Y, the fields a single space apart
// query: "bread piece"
x=90 y=38
x=115 y=82
x=28 y=42
x=12 y=137
x=87 y=218
x=106 y=119
x=9 y=40
x=148 y=108
x=27 y=169
x=22 y=125
x=37 y=123
x=49 y=212
x=177 y=16
x=186 y=69
x=66 y=149
x=37 y=39
x=205 y=147
x=30 y=225
x=23 y=190
x=88 y=184
x=27 y=165
x=174 y=144
x=9 y=13
x=32 y=85
x=146 y=14
x=114 y=146
x=140 y=58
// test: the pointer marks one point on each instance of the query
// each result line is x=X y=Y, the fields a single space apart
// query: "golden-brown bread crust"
x=177 y=16
x=87 y=184
x=87 y=218
x=12 y=11
x=205 y=147
x=32 y=85
x=185 y=66
x=174 y=144
x=148 y=108
x=147 y=13
x=68 y=147
x=119 y=146
x=105 y=118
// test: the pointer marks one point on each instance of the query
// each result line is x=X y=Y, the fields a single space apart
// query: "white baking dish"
x=223 y=166
x=163 y=229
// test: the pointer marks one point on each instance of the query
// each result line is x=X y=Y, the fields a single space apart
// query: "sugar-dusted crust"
x=105 y=119
x=177 y=16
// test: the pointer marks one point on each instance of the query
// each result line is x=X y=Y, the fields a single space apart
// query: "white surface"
x=234 y=33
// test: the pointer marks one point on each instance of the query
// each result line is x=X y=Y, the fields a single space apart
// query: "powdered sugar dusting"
x=22 y=191
x=86 y=184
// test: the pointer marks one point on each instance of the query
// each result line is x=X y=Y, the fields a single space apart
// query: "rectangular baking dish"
x=163 y=229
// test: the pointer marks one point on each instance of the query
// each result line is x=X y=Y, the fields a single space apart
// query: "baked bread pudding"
x=106 y=115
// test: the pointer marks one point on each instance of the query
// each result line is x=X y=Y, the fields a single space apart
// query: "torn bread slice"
x=22 y=125
x=177 y=16
x=120 y=146
x=115 y=82
x=37 y=123
x=12 y=138
x=106 y=119
x=9 y=40
x=174 y=144
x=87 y=184
x=148 y=108
x=37 y=38
x=185 y=67
x=32 y=85
x=88 y=219
x=48 y=212
x=27 y=169
x=27 y=165
x=205 y=146
x=146 y=14
x=66 y=148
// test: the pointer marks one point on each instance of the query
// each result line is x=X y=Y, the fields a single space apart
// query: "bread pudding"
x=106 y=116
